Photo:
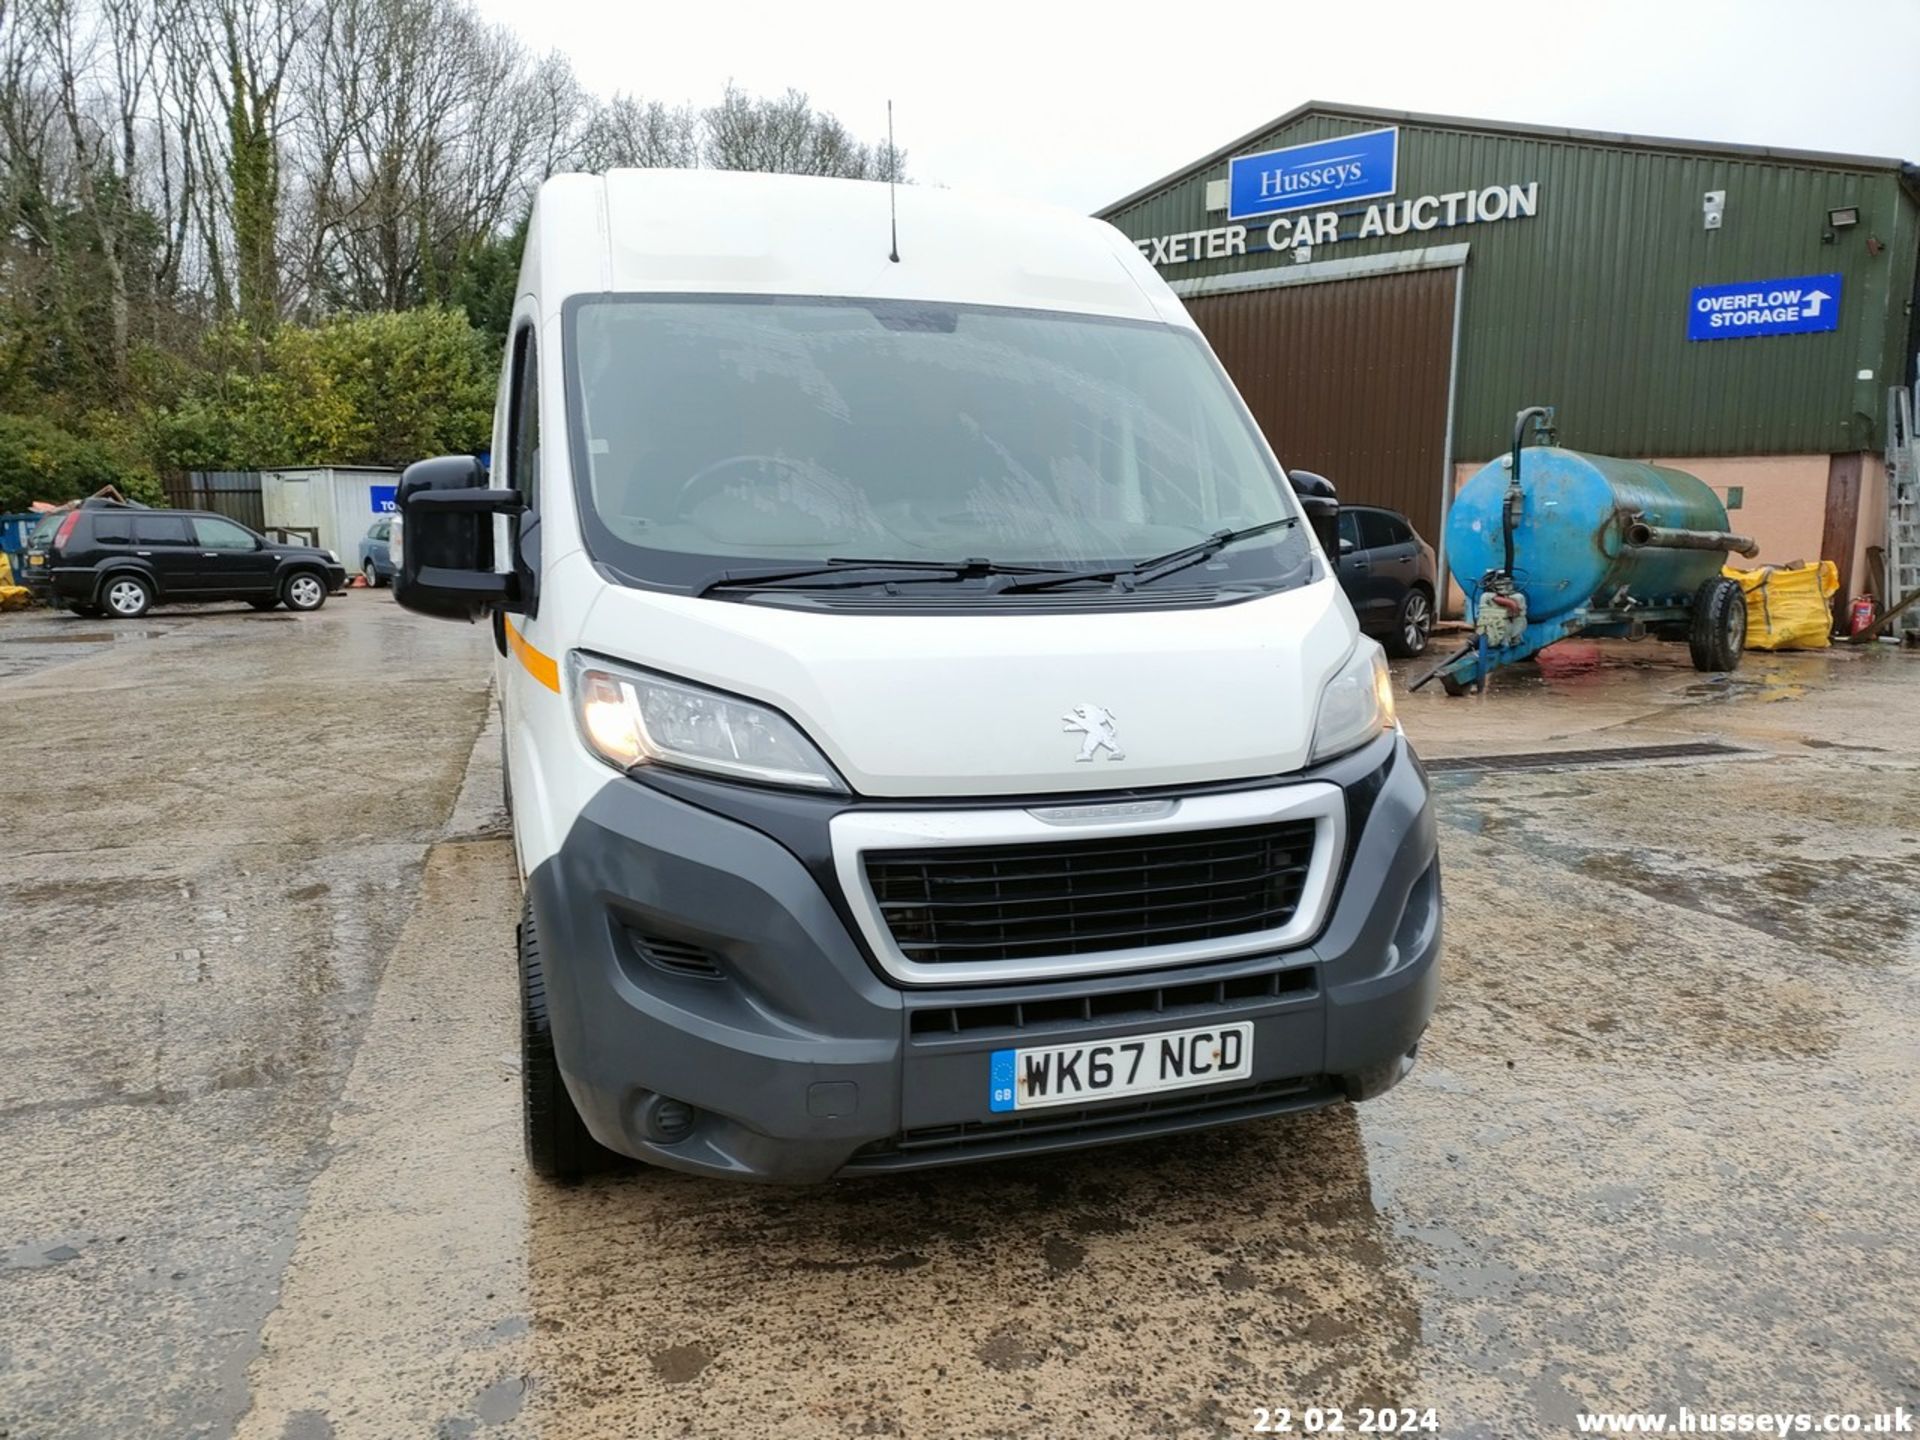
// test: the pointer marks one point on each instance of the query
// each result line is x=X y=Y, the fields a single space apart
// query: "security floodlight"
x=1843 y=217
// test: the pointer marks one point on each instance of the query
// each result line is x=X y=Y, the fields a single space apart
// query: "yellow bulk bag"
x=1788 y=606
x=12 y=596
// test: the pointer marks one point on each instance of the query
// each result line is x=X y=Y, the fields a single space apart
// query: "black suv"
x=39 y=540
x=1389 y=575
x=119 y=560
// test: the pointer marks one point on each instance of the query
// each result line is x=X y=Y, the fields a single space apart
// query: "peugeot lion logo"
x=1095 y=726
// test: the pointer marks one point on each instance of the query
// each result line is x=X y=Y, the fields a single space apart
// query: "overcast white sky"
x=1081 y=103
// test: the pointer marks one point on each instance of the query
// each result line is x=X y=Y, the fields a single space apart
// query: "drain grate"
x=1578 y=759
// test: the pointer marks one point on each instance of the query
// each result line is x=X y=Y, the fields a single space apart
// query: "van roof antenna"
x=893 y=180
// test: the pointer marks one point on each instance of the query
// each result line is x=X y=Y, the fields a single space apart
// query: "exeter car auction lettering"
x=1322 y=227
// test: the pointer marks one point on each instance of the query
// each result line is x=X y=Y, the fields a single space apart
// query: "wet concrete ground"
x=258 y=1099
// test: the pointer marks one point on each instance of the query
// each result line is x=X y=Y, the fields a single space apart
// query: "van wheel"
x=558 y=1145
x=1718 y=635
x=1412 y=625
x=127 y=597
x=304 y=590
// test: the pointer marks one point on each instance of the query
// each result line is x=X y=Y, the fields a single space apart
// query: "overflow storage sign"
x=1800 y=305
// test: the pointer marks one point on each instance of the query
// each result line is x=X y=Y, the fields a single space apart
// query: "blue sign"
x=1326 y=172
x=383 y=496
x=1000 y=1080
x=1801 y=305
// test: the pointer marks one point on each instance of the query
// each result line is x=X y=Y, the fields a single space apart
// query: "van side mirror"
x=446 y=562
x=1321 y=504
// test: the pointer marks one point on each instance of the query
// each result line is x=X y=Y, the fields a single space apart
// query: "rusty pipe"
x=1662 y=537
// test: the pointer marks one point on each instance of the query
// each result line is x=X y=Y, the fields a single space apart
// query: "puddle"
x=86 y=637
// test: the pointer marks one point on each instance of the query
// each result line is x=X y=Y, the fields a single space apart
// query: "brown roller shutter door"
x=1348 y=378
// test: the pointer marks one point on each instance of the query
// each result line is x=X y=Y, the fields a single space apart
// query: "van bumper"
x=698 y=950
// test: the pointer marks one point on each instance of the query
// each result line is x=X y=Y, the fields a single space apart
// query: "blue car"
x=376 y=563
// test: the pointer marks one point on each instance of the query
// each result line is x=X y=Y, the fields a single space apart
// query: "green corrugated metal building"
x=1431 y=275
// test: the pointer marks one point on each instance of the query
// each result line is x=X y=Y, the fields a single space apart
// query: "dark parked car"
x=39 y=541
x=376 y=561
x=1389 y=575
x=118 y=560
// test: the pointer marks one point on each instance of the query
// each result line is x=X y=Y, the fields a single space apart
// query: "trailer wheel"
x=1718 y=634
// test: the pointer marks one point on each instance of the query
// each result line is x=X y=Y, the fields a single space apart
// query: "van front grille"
x=968 y=904
x=1107 y=1007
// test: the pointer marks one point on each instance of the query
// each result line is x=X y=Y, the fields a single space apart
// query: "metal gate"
x=233 y=493
x=1349 y=378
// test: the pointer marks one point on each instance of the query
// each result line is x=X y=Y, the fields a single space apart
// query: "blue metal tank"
x=1579 y=517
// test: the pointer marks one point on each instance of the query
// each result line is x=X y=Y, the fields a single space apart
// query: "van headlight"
x=632 y=717
x=1356 y=705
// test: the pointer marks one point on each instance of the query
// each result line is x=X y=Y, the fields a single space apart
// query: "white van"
x=933 y=730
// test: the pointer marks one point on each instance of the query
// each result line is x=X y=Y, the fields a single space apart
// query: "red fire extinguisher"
x=1861 y=616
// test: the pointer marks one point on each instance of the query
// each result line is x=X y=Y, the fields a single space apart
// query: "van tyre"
x=1412 y=624
x=558 y=1145
x=304 y=590
x=126 y=597
x=1718 y=635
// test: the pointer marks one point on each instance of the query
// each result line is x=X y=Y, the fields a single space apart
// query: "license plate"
x=1111 y=1069
x=36 y=559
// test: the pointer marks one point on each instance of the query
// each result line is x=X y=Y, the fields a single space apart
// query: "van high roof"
x=729 y=232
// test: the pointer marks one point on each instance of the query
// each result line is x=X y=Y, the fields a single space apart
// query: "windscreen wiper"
x=845 y=573
x=1144 y=572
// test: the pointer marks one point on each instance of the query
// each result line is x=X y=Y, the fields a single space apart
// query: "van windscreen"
x=709 y=431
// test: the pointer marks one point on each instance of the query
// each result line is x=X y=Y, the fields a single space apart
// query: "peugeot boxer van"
x=933 y=730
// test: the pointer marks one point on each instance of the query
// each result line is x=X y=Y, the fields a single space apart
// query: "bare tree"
x=38 y=300
x=786 y=135
x=99 y=65
x=254 y=43
x=167 y=163
x=176 y=189
x=428 y=133
x=629 y=133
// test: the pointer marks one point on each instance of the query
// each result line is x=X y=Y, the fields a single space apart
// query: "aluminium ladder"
x=1903 y=505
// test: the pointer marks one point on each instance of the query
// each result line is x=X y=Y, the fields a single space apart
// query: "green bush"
x=384 y=389
x=41 y=461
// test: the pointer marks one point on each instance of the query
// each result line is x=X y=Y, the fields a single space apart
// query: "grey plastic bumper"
x=802 y=1062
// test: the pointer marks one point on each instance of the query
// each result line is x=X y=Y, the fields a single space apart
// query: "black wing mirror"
x=1321 y=502
x=445 y=561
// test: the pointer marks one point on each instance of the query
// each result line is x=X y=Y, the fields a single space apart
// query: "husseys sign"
x=1329 y=178
x=1323 y=172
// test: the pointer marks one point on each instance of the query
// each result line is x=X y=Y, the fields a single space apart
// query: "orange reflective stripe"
x=543 y=668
